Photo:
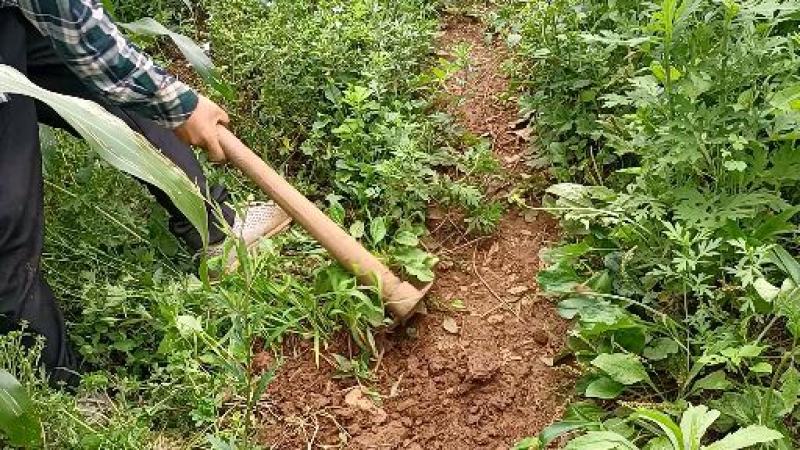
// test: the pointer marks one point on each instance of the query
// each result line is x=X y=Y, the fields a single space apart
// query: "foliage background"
x=672 y=127
x=336 y=95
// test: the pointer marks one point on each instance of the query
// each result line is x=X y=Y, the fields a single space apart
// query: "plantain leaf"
x=623 y=368
x=663 y=421
x=18 y=423
x=694 y=423
x=190 y=50
x=600 y=440
x=746 y=438
x=120 y=146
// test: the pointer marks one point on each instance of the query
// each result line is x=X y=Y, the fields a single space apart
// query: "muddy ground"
x=477 y=376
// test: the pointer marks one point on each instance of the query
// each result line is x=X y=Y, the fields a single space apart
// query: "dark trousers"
x=24 y=294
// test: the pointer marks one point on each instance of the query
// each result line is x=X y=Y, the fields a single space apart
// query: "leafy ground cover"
x=672 y=127
x=668 y=127
x=338 y=92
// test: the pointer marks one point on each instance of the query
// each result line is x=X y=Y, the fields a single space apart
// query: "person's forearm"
x=94 y=48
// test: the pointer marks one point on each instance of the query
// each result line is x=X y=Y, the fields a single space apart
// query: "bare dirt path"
x=473 y=377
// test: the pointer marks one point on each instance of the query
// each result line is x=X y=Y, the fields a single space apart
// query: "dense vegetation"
x=337 y=95
x=672 y=127
x=668 y=127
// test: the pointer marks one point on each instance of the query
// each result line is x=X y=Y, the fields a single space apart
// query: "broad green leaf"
x=406 y=238
x=600 y=440
x=193 y=53
x=713 y=381
x=786 y=262
x=335 y=209
x=694 y=424
x=120 y=146
x=737 y=354
x=660 y=349
x=18 y=423
x=746 y=437
x=529 y=443
x=790 y=390
x=604 y=388
x=569 y=252
x=219 y=444
x=623 y=368
x=762 y=367
x=659 y=443
x=416 y=262
x=787 y=99
x=188 y=325
x=377 y=229
x=357 y=229
x=667 y=425
x=558 y=278
x=557 y=429
x=765 y=289
x=658 y=71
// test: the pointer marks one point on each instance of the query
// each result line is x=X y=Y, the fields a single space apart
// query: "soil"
x=477 y=370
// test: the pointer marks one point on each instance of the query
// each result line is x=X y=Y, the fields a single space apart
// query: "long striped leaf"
x=116 y=143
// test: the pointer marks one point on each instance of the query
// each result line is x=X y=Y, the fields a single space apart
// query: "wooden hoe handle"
x=400 y=297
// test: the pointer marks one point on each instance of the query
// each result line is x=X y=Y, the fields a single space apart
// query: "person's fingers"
x=215 y=151
x=224 y=118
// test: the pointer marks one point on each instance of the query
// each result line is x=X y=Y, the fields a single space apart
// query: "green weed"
x=675 y=117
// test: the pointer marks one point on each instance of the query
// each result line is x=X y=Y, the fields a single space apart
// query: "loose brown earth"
x=473 y=377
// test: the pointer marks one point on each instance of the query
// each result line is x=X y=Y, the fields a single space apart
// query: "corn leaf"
x=18 y=423
x=116 y=143
x=190 y=50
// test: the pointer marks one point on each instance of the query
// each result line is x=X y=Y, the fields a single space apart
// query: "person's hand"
x=201 y=128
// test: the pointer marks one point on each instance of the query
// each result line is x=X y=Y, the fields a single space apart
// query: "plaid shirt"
x=94 y=48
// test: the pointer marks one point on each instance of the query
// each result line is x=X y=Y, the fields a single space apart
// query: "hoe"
x=399 y=296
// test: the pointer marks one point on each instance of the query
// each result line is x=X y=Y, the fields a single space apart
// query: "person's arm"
x=93 y=47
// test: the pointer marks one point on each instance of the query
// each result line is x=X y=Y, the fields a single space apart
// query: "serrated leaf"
x=18 y=422
x=746 y=437
x=623 y=368
x=513 y=39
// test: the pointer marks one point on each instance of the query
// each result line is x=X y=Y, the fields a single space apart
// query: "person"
x=74 y=48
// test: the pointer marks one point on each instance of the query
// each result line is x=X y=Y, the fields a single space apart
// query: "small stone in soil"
x=482 y=366
x=450 y=325
x=518 y=290
x=495 y=319
x=542 y=337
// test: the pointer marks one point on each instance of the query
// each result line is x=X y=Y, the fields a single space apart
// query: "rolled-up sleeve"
x=94 y=48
